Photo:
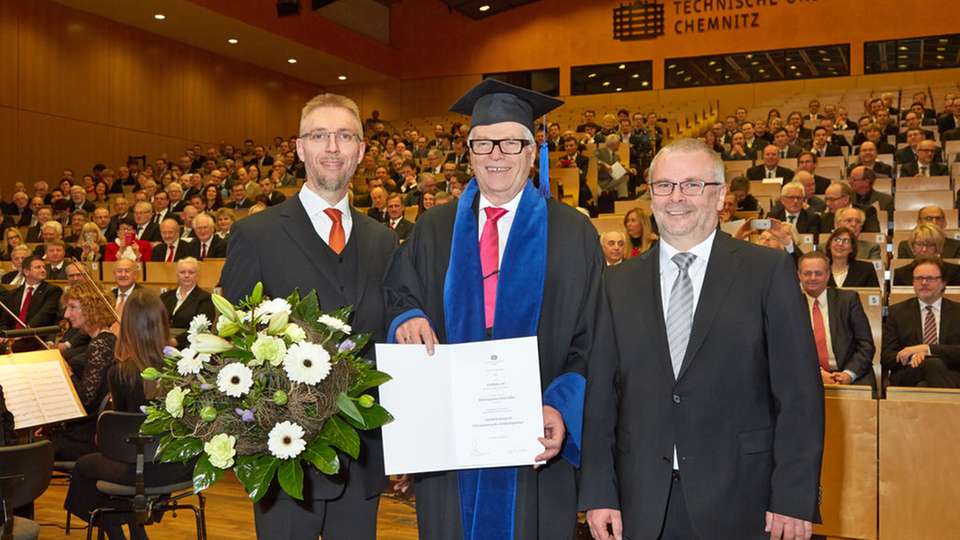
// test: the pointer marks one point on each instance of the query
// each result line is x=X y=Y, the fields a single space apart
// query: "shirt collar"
x=935 y=305
x=701 y=250
x=315 y=204
x=509 y=206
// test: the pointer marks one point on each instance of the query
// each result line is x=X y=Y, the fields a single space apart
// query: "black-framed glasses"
x=510 y=147
x=342 y=136
x=926 y=279
x=663 y=188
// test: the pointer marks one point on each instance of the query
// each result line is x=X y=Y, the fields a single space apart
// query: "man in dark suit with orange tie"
x=315 y=241
x=704 y=408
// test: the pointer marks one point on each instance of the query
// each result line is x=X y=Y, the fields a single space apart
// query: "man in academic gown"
x=704 y=409
x=536 y=271
x=315 y=241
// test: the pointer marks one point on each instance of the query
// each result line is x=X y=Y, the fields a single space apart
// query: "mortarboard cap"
x=493 y=101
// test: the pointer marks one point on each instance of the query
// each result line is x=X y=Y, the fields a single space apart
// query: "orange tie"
x=337 y=236
x=820 y=336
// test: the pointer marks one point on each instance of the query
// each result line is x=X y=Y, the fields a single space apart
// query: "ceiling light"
x=292 y=60
x=903 y=47
x=760 y=70
x=671 y=66
x=941 y=49
x=622 y=66
x=681 y=72
x=687 y=79
x=606 y=83
x=342 y=77
x=793 y=67
x=484 y=7
x=645 y=83
x=902 y=66
x=943 y=40
x=755 y=62
x=619 y=89
x=592 y=75
x=939 y=57
x=902 y=56
x=159 y=16
x=233 y=41
x=718 y=70
x=749 y=56
x=825 y=59
x=636 y=75
x=712 y=63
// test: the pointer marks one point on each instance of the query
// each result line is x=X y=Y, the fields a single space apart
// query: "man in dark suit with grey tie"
x=704 y=407
x=841 y=330
x=315 y=241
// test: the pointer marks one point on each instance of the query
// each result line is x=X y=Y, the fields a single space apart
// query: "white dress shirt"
x=668 y=275
x=315 y=206
x=503 y=224
x=182 y=297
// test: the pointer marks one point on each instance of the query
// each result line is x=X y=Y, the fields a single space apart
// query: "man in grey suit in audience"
x=852 y=218
x=862 y=180
x=935 y=215
x=841 y=330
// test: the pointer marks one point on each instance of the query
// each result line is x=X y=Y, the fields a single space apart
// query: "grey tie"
x=680 y=312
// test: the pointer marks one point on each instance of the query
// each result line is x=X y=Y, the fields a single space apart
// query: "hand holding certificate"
x=470 y=405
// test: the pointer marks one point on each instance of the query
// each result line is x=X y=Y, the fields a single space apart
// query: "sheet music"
x=38 y=389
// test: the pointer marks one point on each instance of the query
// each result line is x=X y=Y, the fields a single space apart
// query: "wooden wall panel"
x=79 y=90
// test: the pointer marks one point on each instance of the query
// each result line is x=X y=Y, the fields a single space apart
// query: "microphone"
x=30 y=332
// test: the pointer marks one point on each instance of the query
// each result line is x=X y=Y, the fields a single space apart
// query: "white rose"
x=174 y=401
x=221 y=450
x=268 y=348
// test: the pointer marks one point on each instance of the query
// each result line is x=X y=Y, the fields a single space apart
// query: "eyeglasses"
x=843 y=241
x=342 y=136
x=510 y=147
x=926 y=279
x=662 y=188
x=793 y=197
x=923 y=245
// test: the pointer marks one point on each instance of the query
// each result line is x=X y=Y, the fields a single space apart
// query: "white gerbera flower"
x=235 y=379
x=307 y=363
x=286 y=440
x=200 y=323
x=191 y=362
x=334 y=323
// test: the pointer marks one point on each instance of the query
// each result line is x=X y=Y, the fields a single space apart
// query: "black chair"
x=24 y=476
x=63 y=470
x=119 y=439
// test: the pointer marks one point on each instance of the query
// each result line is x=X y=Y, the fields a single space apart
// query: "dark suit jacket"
x=946 y=122
x=852 y=340
x=759 y=172
x=59 y=274
x=8 y=277
x=403 y=228
x=151 y=233
x=34 y=235
x=197 y=302
x=821 y=183
x=235 y=205
x=951 y=249
x=184 y=249
x=280 y=248
x=879 y=167
x=905 y=155
x=275 y=198
x=831 y=150
x=904 y=275
x=950 y=135
x=43 y=310
x=904 y=328
x=747 y=426
x=859 y=274
x=217 y=248
x=913 y=169
x=808 y=221
x=377 y=214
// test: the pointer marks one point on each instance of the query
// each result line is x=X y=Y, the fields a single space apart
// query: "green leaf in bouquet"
x=179 y=449
x=309 y=308
x=341 y=435
x=343 y=313
x=238 y=354
x=322 y=456
x=205 y=474
x=155 y=426
x=374 y=417
x=290 y=476
x=369 y=378
x=256 y=474
x=360 y=342
x=294 y=297
x=349 y=408
x=257 y=295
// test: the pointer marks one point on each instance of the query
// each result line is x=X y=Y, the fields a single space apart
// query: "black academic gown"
x=546 y=498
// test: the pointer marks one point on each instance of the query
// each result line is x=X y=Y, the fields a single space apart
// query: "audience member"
x=173 y=247
x=845 y=269
x=862 y=180
x=933 y=215
x=35 y=303
x=791 y=209
x=395 y=217
x=612 y=244
x=740 y=187
x=209 y=244
x=126 y=274
x=925 y=164
x=187 y=300
x=926 y=241
x=770 y=168
x=639 y=233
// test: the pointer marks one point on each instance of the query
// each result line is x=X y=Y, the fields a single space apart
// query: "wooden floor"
x=229 y=516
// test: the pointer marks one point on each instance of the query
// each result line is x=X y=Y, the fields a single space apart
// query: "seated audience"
x=925 y=164
x=811 y=201
x=921 y=336
x=867 y=157
x=845 y=269
x=807 y=162
x=127 y=246
x=173 y=247
x=208 y=243
x=840 y=195
x=226 y=218
x=639 y=233
x=126 y=274
x=926 y=241
x=187 y=300
x=54 y=254
x=92 y=244
x=85 y=309
x=933 y=215
x=16 y=276
x=35 y=303
x=395 y=217
x=740 y=187
x=862 y=180
x=840 y=327
x=12 y=238
x=144 y=227
x=142 y=338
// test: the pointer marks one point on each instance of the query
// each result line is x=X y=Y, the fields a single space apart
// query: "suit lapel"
x=661 y=344
x=363 y=249
x=833 y=311
x=913 y=318
x=298 y=227
x=721 y=270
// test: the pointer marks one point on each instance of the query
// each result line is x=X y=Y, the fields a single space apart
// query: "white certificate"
x=469 y=406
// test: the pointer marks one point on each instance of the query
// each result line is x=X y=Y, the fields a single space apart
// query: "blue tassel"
x=544 y=166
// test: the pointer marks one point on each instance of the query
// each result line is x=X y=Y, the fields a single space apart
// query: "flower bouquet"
x=276 y=385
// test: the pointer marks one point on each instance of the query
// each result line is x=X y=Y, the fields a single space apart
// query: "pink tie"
x=489 y=261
